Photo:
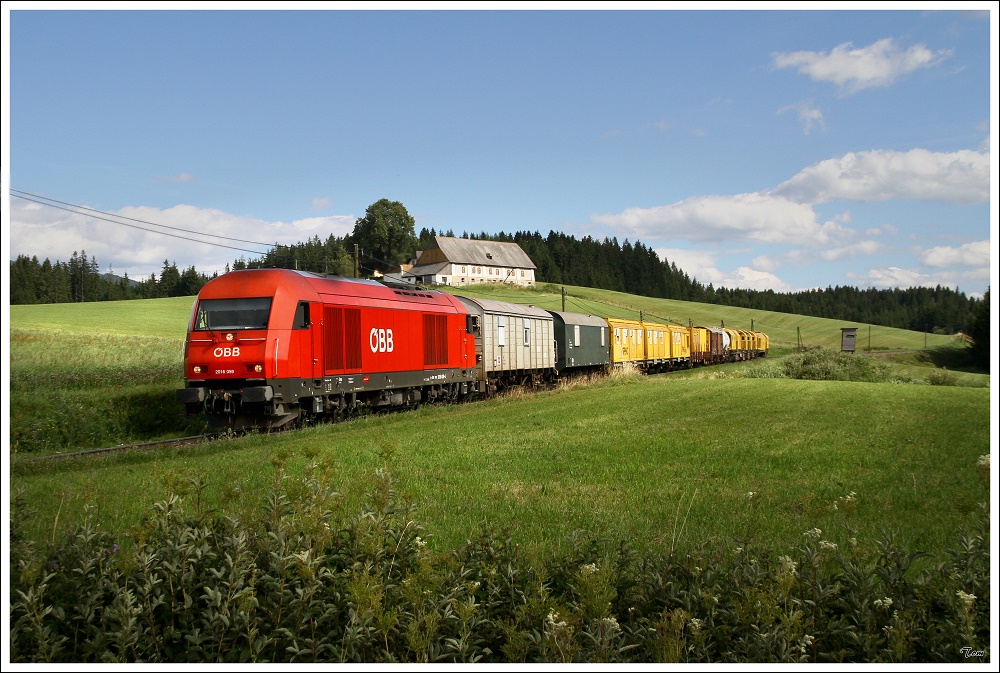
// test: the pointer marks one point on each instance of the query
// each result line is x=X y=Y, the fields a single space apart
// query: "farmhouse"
x=460 y=261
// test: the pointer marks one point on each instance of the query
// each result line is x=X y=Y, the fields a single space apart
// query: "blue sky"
x=754 y=148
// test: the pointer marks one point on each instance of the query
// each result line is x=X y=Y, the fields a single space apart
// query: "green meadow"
x=710 y=455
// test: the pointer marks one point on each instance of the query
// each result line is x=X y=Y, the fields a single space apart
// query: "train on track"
x=266 y=348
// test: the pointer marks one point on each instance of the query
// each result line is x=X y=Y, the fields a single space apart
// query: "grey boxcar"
x=514 y=343
x=581 y=340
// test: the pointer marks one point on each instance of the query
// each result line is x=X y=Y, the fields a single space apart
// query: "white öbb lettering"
x=380 y=340
x=227 y=352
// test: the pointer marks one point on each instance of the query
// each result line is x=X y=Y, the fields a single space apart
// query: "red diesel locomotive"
x=268 y=346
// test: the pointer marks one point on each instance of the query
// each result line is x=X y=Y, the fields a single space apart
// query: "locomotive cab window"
x=234 y=314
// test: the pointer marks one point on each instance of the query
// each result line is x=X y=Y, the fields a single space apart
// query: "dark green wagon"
x=581 y=341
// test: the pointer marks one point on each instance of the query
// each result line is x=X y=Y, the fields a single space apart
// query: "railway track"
x=139 y=446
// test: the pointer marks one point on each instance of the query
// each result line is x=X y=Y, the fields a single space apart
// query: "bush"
x=941 y=377
x=825 y=365
x=305 y=581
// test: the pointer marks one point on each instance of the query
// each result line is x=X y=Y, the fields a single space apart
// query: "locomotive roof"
x=326 y=285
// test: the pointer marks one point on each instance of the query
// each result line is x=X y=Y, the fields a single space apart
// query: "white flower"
x=750 y=495
x=610 y=624
x=825 y=544
x=695 y=624
x=883 y=602
x=814 y=533
x=967 y=599
x=788 y=566
x=588 y=569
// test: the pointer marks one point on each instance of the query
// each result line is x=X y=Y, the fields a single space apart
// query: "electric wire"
x=152 y=231
x=25 y=195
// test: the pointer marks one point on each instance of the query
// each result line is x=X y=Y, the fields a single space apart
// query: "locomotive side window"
x=301 y=316
x=242 y=313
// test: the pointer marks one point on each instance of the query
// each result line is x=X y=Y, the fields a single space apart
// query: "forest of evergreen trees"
x=80 y=279
x=561 y=259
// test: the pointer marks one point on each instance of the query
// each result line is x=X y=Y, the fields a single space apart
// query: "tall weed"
x=305 y=581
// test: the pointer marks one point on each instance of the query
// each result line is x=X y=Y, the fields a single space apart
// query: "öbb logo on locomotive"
x=302 y=353
x=380 y=340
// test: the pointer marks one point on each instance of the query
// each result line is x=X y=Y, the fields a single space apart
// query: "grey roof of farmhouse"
x=426 y=269
x=485 y=253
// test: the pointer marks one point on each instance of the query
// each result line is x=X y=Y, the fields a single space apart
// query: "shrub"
x=941 y=377
x=305 y=581
x=825 y=365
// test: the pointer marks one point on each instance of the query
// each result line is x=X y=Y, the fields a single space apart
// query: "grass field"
x=659 y=461
x=666 y=460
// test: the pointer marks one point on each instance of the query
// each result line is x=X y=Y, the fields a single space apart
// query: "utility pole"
x=564 y=298
x=751 y=324
x=355 y=260
x=869 y=338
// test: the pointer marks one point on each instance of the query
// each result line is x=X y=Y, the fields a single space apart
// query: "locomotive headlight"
x=196 y=369
x=258 y=368
x=255 y=368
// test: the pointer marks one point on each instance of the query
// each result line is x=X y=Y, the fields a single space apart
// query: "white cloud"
x=975 y=280
x=182 y=177
x=849 y=251
x=882 y=175
x=756 y=217
x=765 y=263
x=702 y=266
x=809 y=116
x=129 y=247
x=852 y=70
x=698 y=264
x=891 y=276
x=754 y=279
x=321 y=203
x=975 y=254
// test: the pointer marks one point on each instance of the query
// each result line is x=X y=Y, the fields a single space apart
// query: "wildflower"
x=826 y=544
x=814 y=533
x=788 y=566
x=610 y=624
x=967 y=599
x=853 y=541
x=419 y=541
x=695 y=625
x=883 y=602
x=750 y=495
x=738 y=550
x=551 y=620
x=588 y=569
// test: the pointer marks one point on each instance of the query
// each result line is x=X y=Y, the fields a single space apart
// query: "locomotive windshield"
x=243 y=313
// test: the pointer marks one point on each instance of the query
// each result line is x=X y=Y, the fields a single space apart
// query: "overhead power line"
x=101 y=215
